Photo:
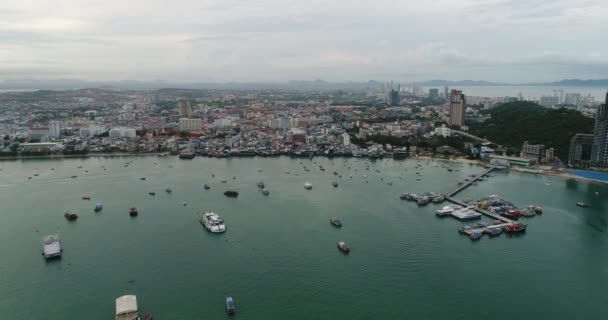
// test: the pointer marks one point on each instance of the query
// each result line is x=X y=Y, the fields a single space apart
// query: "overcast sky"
x=280 y=40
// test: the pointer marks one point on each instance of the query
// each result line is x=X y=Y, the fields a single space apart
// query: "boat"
x=142 y=178
x=335 y=184
x=133 y=212
x=231 y=193
x=308 y=185
x=335 y=173
x=265 y=192
x=223 y=181
x=342 y=246
x=51 y=247
x=206 y=186
x=74 y=177
x=493 y=231
x=168 y=190
x=213 y=222
x=98 y=207
x=406 y=196
x=71 y=216
x=334 y=221
x=515 y=227
x=582 y=204
x=423 y=201
x=86 y=198
x=186 y=155
x=149 y=317
x=126 y=308
x=261 y=184
x=152 y=193
x=438 y=199
x=476 y=235
x=260 y=170
x=230 y=307
x=464 y=229
x=445 y=211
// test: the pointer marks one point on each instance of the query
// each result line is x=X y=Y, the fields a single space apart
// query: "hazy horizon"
x=276 y=41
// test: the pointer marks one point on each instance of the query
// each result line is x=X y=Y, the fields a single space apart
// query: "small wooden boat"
x=149 y=317
x=86 y=198
x=265 y=192
x=168 y=190
x=142 y=178
x=342 y=246
x=152 y=193
x=515 y=227
x=260 y=184
x=71 y=216
x=582 y=204
x=230 y=307
x=133 y=212
x=231 y=193
x=206 y=186
x=98 y=207
x=335 y=184
x=493 y=232
x=335 y=222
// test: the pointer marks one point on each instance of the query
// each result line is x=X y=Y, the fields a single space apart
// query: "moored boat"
x=213 y=222
x=206 y=186
x=98 y=207
x=168 y=190
x=582 y=204
x=260 y=184
x=335 y=222
x=265 y=191
x=231 y=193
x=335 y=184
x=515 y=227
x=152 y=193
x=126 y=308
x=493 y=231
x=476 y=235
x=71 y=216
x=51 y=247
x=342 y=246
x=230 y=307
x=133 y=212
x=86 y=198
x=308 y=185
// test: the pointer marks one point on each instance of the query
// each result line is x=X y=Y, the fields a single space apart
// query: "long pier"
x=450 y=197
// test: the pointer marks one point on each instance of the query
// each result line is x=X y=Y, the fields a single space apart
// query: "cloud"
x=278 y=40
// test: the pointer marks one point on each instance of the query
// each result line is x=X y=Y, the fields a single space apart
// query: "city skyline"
x=276 y=42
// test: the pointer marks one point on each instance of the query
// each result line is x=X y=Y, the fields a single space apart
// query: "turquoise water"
x=278 y=258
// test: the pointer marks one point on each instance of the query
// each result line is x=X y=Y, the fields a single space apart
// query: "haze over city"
x=235 y=40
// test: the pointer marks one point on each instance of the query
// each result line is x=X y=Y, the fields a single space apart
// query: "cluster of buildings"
x=591 y=150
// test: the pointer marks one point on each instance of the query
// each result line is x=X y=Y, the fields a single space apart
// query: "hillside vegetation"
x=516 y=122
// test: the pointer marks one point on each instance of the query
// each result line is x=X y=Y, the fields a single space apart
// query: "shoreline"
x=88 y=155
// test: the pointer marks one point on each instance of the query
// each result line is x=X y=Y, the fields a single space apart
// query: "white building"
x=186 y=124
x=222 y=123
x=91 y=131
x=54 y=129
x=122 y=132
x=443 y=131
x=393 y=127
x=345 y=139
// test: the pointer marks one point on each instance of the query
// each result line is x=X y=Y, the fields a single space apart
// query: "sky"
x=516 y=41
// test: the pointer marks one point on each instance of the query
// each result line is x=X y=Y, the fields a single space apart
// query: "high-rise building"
x=54 y=129
x=580 y=150
x=446 y=93
x=599 y=150
x=457 y=108
x=532 y=151
x=187 y=125
x=434 y=93
x=393 y=98
x=183 y=108
x=548 y=101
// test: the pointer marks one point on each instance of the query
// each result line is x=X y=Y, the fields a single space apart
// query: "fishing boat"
x=206 y=186
x=231 y=193
x=342 y=246
x=308 y=185
x=133 y=212
x=152 y=193
x=230 y=307
x=265 y=191
x=260 y=184
x=168 y=190
x=476 y=235
x=335 y=222
x=86 y=198
x=406 y=196
x=98 y=207
x=213 y=222
x=51 y=247
x=335 y=184
x=515 y=227
x=582 y=204
x=126 y=308
x=142 y=178
x=71 y=216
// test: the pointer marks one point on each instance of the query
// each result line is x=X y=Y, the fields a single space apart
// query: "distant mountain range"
x=66 y=84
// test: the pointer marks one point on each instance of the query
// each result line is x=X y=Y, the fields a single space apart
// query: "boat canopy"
x=126 y=304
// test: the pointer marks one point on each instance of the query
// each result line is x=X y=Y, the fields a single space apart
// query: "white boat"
x=126 y=308
x=213 y=222
x=308 y=185
x=51 y=246
x=466 y=214
x=445 y=211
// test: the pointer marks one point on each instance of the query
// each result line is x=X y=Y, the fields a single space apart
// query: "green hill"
x=516 y=122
